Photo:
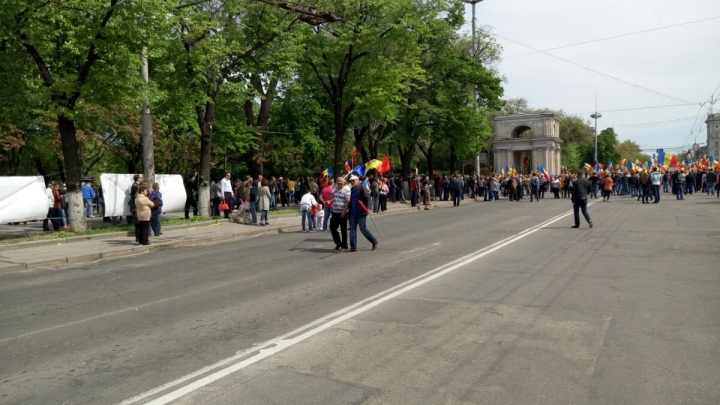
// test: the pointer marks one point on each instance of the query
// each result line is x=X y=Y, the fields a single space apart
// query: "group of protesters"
x=328 y=204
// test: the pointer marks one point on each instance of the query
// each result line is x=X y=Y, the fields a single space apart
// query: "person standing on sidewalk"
x=252 y=199
x=88 y=195
x=227 y=193
x=144 y=211
x=156 y=212
x=191 y=196
x=578 y=196
x=359 y=201
x=51 y=211
x=58 y=200
x=264 y=201
x=132 y=218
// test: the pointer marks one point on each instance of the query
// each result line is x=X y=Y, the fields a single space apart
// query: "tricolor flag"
x=385 y=166
x=359 y=169
x=328 y=172
x=373 y=164
x=348 y=168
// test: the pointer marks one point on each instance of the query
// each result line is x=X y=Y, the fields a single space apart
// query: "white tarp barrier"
x=22 y=199
x=116 y=191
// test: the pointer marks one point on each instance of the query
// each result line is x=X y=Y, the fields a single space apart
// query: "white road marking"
x=437 y=244
x=230 y=365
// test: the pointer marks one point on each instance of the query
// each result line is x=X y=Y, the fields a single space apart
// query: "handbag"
x=223 y=206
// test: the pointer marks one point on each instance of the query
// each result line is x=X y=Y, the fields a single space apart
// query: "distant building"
x=713 y=135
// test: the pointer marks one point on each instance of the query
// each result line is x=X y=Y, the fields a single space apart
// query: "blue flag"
x=359 y=169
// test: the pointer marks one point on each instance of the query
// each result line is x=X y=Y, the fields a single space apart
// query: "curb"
x=101 y=236
x=85 y=258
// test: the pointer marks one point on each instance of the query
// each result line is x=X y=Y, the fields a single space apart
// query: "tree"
x=449 y=103
x=84 y=52
x=630 y=150
x=368 y=69
x=516 y=106
x=577 y=135
x=215 y=43
x=606 y=147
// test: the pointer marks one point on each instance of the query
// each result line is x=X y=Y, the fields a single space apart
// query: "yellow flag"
x=373 y=164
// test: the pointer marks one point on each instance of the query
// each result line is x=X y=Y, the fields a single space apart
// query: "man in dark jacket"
x=360 y=201
x=578 y=196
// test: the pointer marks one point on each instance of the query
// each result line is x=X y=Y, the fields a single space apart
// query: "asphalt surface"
x=624 y=313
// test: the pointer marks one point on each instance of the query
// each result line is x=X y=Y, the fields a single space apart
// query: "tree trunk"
x=205 y=118
x=429 y=157
x=73 y=164
x=452 y=159
x=61 y=168
x=406 y=156
x=374 y=143
x=253 y=157
x=360 y=135
x=338 y=162
x=41 y=168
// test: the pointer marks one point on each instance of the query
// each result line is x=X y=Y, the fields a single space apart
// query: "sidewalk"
x=80 y=249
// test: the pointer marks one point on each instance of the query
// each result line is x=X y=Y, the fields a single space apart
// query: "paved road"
x=625 y=313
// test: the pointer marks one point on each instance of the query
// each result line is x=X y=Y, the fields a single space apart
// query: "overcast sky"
x=683 y=62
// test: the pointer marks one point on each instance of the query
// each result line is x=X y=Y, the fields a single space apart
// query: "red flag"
x=385 y=166
x=353 y=156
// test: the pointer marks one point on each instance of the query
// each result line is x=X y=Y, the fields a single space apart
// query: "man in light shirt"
x=227 y=190
x=656 y=178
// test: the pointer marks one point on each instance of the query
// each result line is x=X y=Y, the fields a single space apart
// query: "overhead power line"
x=614 y=37
x=656 y=122
x=637 y=108
x=595 y=71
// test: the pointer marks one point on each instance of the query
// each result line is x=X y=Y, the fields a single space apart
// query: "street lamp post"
x=596 y=115
x=474 y=2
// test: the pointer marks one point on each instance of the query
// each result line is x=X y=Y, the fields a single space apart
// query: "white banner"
x=22 y=199
x=116 y=191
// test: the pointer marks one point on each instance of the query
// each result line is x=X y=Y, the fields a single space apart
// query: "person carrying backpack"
x=645 y=187
x=534 y=187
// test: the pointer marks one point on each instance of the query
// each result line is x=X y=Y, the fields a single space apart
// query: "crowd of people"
x=258 y=196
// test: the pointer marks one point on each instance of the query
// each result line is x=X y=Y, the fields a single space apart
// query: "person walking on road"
x=656 y=178
x=578 y=196
x=341 y=203
x=307 y=203
x=359 y=202
x=607 y=187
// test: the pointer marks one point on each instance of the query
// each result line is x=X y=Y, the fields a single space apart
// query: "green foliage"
x=575 y=130
x=606 y=148
x=630 y=150
x=251 y=82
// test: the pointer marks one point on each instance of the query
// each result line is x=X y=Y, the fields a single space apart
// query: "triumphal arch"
x=527 y=141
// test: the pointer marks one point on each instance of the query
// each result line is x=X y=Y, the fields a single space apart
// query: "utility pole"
x=595 y=116
x=474 y=50
x=147 y=133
